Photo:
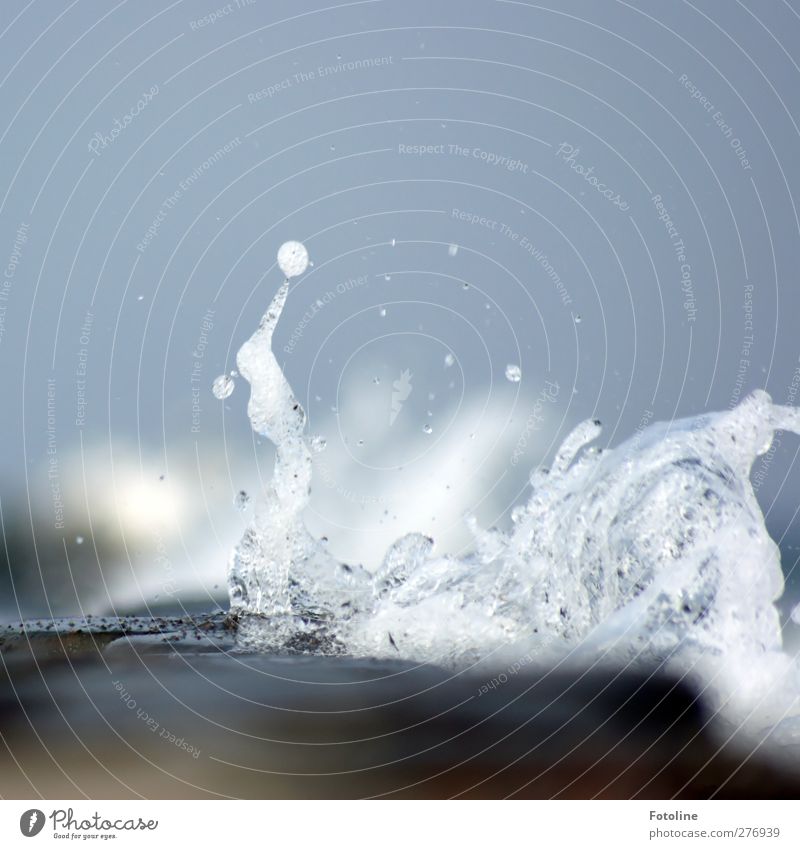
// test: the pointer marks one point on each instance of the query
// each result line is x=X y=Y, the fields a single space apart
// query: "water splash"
x=223 y=387
x=655 y=550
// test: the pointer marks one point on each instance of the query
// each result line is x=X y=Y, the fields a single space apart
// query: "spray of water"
x=653 y=551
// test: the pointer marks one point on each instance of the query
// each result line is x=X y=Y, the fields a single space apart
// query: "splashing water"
x=223 y=387
x=653 y=551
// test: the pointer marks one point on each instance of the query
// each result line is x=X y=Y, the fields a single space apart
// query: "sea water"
x=654 y=552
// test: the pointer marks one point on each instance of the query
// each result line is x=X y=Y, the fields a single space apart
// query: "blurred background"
x=520 y=216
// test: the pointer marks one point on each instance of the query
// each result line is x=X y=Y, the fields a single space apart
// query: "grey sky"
x=619 y=181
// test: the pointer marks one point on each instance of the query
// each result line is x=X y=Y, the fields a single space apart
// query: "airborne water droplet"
x=427 y=428
x=452 y=250
x=223 y=386
x=577 y=318
x=241 y=501
x=449 y=359
x=513 y=373
x=292 y=258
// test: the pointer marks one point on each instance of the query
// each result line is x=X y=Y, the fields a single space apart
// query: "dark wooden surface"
x=119 y=708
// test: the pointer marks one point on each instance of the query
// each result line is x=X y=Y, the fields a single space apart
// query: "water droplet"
x=360 y=442
x=382 y=312
x=223 y=386
x=452 y=250
x=513 y=373
x=318 y=444
x=292 y=258
x=577 y=318
x=394 y=242
x=140 y=298
x=427 y=428
x=79 y=540
x=465 y=287
x=387 y=276
x=241 y=501
x=376 y=380
x=449 y=359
